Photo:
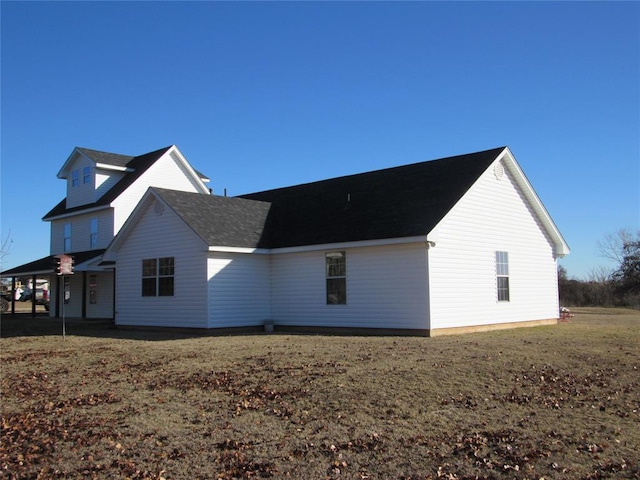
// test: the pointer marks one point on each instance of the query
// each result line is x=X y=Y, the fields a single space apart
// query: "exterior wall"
x=81 y=231
x=238 y=289
x=84 y=193
x=103 y=308
x=386 y=288
x=105 y=180
x=164 y=173
x=155 y=236
x=491 y=217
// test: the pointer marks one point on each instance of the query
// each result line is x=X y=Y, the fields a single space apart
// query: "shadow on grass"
x=24 y=325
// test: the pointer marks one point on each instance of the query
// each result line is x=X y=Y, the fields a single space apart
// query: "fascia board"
x=189 y=168
x=106 y=166
x=62 y=173
x=561 y=246
x=224 y=249
x=358 y=244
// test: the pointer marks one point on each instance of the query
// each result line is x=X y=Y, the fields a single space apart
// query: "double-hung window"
x=67 y=237
x=75 y=178
x=86 y=175
x=502 y=276
x=158 y=277
x=336 y=271
x=93 y=238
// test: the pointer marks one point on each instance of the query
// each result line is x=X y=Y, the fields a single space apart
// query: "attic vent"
x=158 y=208
x=498 y=170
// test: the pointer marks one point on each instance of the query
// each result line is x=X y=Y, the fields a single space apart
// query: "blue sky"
x=263 y=95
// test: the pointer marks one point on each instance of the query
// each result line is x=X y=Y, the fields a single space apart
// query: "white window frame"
x=86 y=175
x=75 y=178
x=66 y=238
x=503 y=290
x=93 y=236
x=336 y=275
x=154 y=272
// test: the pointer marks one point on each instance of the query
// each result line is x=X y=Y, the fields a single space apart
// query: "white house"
x=451 y=245
x=102 y=190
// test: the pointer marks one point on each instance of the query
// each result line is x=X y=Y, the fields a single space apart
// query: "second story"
x=103 y=189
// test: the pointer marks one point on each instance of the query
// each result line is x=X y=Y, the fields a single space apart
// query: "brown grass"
x=547 y=402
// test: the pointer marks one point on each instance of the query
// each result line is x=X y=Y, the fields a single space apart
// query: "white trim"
x=343 y=245
x=106 y=166
x=189 y=168
x=215 y=248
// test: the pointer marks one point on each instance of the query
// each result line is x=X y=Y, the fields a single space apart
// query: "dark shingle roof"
x=138 y=164
x=114 y=159
x=220 y=221
x=397 y=202
x=45 y=265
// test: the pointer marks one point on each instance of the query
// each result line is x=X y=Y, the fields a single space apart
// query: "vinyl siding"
x=84 y=193
x=386 y=288
x=238 y=289
x=491 y=217
x=164 y=173
x=103 y=308
x=156 y=236
x=105 y=180
x=81 y=231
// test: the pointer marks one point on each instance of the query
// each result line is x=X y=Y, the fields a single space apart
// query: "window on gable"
x=75 y=178
x=158 y=277
x=67 y=237
x=502 y=276
x=336 y=271
x=93 y=239
x=86 y=175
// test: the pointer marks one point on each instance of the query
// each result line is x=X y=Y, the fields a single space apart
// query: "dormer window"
x=75 y=178
x=86 y=175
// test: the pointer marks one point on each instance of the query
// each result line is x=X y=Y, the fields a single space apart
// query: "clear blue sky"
x=263 y=95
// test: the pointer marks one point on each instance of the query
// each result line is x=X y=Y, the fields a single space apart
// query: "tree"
x=623 y=247
x=627 y=276
x=5 y=246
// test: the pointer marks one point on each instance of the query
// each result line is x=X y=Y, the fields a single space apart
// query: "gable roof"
x=393 y=203
x=219 y=221
x=138 y=165
x=397 y=202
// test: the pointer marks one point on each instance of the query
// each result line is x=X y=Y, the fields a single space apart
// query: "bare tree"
x=612 y=246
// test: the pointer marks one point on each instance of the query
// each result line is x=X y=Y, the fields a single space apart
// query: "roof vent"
x=498 y=170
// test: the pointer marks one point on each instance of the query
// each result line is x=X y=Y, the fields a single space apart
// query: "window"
x=158 y=277
x=67 y=237
x=93 y=288
x=93 y=240
x=86 y=175
x=336 y=267
x=75 y=178
x=502 y=276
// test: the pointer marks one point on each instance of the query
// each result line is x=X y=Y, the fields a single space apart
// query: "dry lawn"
x=557 y=402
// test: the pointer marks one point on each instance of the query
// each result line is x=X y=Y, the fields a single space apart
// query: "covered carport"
x=38 y=269
x=45 y=268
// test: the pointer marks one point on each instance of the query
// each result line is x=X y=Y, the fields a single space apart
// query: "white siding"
x=105 y=180
x=386 y=288
x=81 y=231
x=238 y=289
x=164 y=173
x=491 y=216
x=103 y=308
x=84 y=193
x=156 y=236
